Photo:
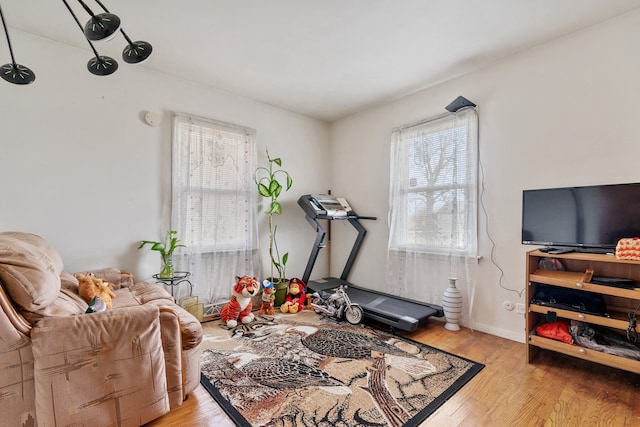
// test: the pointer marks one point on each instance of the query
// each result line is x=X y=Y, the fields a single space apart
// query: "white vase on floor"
x=452 y=305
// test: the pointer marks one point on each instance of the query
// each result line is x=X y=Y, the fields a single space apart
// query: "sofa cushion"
x=68 y=302
x=29 y=269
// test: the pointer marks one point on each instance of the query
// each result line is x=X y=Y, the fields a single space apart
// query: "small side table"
x=178 y=278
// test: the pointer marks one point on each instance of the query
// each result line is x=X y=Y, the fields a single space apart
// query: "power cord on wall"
x=486 y=216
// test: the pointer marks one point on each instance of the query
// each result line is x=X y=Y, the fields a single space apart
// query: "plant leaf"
x=289 y=181
x=263 y=190
x=273 y=187
x=276 y=208
x=277 y=161
x=277 y=191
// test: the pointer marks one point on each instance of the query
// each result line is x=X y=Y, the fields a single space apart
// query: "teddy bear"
x=296 y=298
x=240 y=304
x=268 y=296
x=89 y=286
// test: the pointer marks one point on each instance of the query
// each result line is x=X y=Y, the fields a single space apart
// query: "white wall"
x=564 y=113
x=79 y=166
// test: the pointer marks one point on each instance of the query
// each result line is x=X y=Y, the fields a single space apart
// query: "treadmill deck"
x=388 y=309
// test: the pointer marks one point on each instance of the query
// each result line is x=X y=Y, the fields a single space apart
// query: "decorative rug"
x=304 y=370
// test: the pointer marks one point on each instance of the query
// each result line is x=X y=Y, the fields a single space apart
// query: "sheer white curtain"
x=433 y=208
x=214 y=204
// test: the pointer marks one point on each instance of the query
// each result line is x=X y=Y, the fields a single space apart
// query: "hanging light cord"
x=6 y=32
x=75 y=18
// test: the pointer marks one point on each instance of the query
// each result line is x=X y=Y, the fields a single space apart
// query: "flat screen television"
x=586 y=219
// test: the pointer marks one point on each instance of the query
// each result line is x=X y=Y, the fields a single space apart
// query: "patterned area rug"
x=303 y=370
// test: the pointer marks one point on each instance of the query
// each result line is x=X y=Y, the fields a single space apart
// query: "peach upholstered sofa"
x=62 y=367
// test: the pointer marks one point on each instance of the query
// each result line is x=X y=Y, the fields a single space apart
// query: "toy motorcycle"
x=337 y=305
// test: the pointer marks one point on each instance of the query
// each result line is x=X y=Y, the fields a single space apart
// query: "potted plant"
x=269 y=187
x=166 y=248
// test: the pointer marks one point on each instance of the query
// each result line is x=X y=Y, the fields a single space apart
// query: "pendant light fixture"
x=13 y=72
x=134 y=52
x=99 y=65
x=101 y=26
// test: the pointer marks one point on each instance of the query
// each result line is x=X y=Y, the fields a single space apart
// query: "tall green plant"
x=269 y=187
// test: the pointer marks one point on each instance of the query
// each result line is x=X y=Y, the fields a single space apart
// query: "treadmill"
x=394 y=311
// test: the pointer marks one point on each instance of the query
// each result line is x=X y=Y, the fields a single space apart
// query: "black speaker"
x=458 y=103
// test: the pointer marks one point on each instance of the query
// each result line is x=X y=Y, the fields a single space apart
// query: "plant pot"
x=281 y=287
x=167 y=267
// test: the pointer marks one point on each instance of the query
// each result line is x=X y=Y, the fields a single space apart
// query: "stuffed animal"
x=296 y=298
x=239 y=305
x=89 y=286
x=268 y=296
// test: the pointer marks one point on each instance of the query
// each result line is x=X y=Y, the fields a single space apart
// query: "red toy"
x=296 y=298
x=240 y=304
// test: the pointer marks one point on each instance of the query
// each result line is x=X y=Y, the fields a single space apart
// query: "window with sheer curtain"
x=434 y=185
x=214 y=203
x=433 y=207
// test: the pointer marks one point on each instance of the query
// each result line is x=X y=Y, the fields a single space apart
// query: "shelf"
x=585 y=256
x=585 y=353
x=616 y=320
x=573 y=280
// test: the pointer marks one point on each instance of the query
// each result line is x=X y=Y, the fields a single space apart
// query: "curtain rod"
x=192 y=117
x=421 y=122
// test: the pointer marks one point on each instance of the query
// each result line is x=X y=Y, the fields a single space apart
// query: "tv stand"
x=584 y=272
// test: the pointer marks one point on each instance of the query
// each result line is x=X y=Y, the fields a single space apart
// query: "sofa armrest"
x=104 y=367
x=19 y=325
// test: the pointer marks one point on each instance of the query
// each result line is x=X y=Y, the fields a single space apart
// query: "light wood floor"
x=555 y=390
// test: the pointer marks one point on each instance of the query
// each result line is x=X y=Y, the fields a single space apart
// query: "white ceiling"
x=322 y=58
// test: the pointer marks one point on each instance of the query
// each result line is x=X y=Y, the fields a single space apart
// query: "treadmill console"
x=326 y=206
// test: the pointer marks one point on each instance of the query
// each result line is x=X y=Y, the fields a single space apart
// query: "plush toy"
x=268 y=296
x=239 y=305
x=295 y=299
x=89 y=287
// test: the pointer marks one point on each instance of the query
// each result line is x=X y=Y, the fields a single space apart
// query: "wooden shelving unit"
x=580 y=267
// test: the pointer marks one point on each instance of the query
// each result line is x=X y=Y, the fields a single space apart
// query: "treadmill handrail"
x=312 y=218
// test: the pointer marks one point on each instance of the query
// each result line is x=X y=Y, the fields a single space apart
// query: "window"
x=434 y=185
x=213 y=164
x=214 y=204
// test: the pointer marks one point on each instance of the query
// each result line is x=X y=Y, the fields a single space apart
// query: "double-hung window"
x=214 y=200
x=434 y=185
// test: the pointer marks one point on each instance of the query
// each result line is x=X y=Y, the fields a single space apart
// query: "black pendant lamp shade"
x=14 y=73
x=101 y=65
x=136 y=52
x=103 y=26
x=17 y=74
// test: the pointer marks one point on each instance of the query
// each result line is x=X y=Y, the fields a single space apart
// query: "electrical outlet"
x=508 y=305
x=520 y=308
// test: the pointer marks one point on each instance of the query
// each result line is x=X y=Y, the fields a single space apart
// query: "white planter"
x=452 y=305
